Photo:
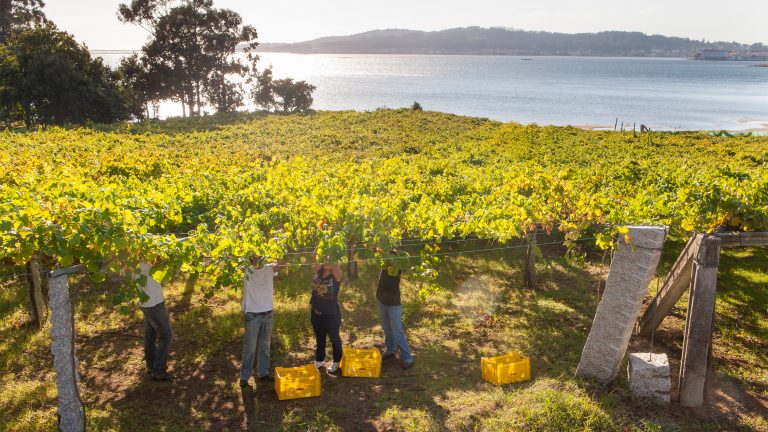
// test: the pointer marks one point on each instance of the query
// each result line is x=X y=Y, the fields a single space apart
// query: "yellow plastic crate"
x=365 y=363
x=297 y=382
x=505 y=369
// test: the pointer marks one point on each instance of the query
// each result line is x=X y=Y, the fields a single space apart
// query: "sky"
x=95 y=21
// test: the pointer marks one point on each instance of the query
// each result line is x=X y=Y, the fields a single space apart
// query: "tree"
x=19 y=15
x=57 y=82
x=283 y=94
x=141 y=86
x=223 y=94
x=10 y=110
x=262 y=92
x=293 y=96
x=191 y=51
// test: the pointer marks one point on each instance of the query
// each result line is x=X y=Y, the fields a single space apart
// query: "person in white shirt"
x=157 y=326
x=258 y=311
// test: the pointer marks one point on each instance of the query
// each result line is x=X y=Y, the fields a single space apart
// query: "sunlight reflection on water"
x=660 y=93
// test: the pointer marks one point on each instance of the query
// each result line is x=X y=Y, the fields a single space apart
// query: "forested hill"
x=477 y=40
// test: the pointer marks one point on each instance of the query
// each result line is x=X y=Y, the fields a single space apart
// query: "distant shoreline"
x=477 y=40
x=97 y=53
x=527 y=56
x=760 y=131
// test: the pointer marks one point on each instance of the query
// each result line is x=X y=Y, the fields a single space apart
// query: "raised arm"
x=316 y=265
x=337 y=272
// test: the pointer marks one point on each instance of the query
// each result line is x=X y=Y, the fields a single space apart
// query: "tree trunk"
x=37 y=306
x=183 y=105
x=28 y=116
x=197 y=94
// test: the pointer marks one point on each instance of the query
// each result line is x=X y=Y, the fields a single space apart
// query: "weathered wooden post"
x=697 y=343
x=351 y=263
x=70 y=410
x=36 y=290
x=632 y=268
x=530 y=260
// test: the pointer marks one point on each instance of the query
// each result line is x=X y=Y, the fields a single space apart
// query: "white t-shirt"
x=153 y=288
x=258 y=289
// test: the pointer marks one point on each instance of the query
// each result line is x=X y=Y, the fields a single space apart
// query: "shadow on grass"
x=444 y=390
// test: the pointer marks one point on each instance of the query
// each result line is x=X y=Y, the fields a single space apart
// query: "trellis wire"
x=17 y=275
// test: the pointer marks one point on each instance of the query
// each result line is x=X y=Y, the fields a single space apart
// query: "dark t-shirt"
x=388 y=291
x=325 y=294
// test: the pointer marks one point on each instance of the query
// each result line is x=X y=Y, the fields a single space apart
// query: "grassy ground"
x=480 y=309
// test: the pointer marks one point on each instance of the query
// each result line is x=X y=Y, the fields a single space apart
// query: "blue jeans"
x=392 y=323
x=157 y=337
x=258 y=328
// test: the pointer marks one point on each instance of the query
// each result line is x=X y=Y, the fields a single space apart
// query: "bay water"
x=596 y=92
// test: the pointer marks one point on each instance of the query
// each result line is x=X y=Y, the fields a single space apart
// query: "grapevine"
x=204 y=200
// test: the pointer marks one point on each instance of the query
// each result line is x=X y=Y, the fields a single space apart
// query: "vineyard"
x=205 y=199
x=449 y=199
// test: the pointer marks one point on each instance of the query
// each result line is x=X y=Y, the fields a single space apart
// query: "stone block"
x=649 y=376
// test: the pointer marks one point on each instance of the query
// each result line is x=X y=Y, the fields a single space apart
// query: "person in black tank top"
x=325 y=313
x=391 y=316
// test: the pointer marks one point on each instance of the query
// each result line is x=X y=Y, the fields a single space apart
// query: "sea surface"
x=668 y=94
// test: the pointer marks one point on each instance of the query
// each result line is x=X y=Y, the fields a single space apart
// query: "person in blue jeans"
x=391 y=317
x=258 y=313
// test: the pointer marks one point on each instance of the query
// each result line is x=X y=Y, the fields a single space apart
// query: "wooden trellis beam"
x=743 y=239
x=676 y=283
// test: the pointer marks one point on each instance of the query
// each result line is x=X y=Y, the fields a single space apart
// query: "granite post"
x=70 y=410
x=632 y=267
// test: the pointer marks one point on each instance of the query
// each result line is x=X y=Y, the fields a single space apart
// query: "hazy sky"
x=95 y=21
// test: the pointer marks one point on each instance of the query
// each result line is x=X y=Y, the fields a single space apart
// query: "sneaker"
x=266 y=377
x=407 y=364
x=388 y=355
x=318 y=364
x=243 y=383
x=334 y=367
x=161 y=376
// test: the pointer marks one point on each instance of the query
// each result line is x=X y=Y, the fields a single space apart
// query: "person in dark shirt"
x=326 y=313
x=391 y=316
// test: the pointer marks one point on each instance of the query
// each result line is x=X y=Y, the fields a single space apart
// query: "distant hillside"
x=501 y=41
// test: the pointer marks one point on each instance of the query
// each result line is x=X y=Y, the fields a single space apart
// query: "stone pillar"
x=649 y=376
x=70 y=410
x=632 y=268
